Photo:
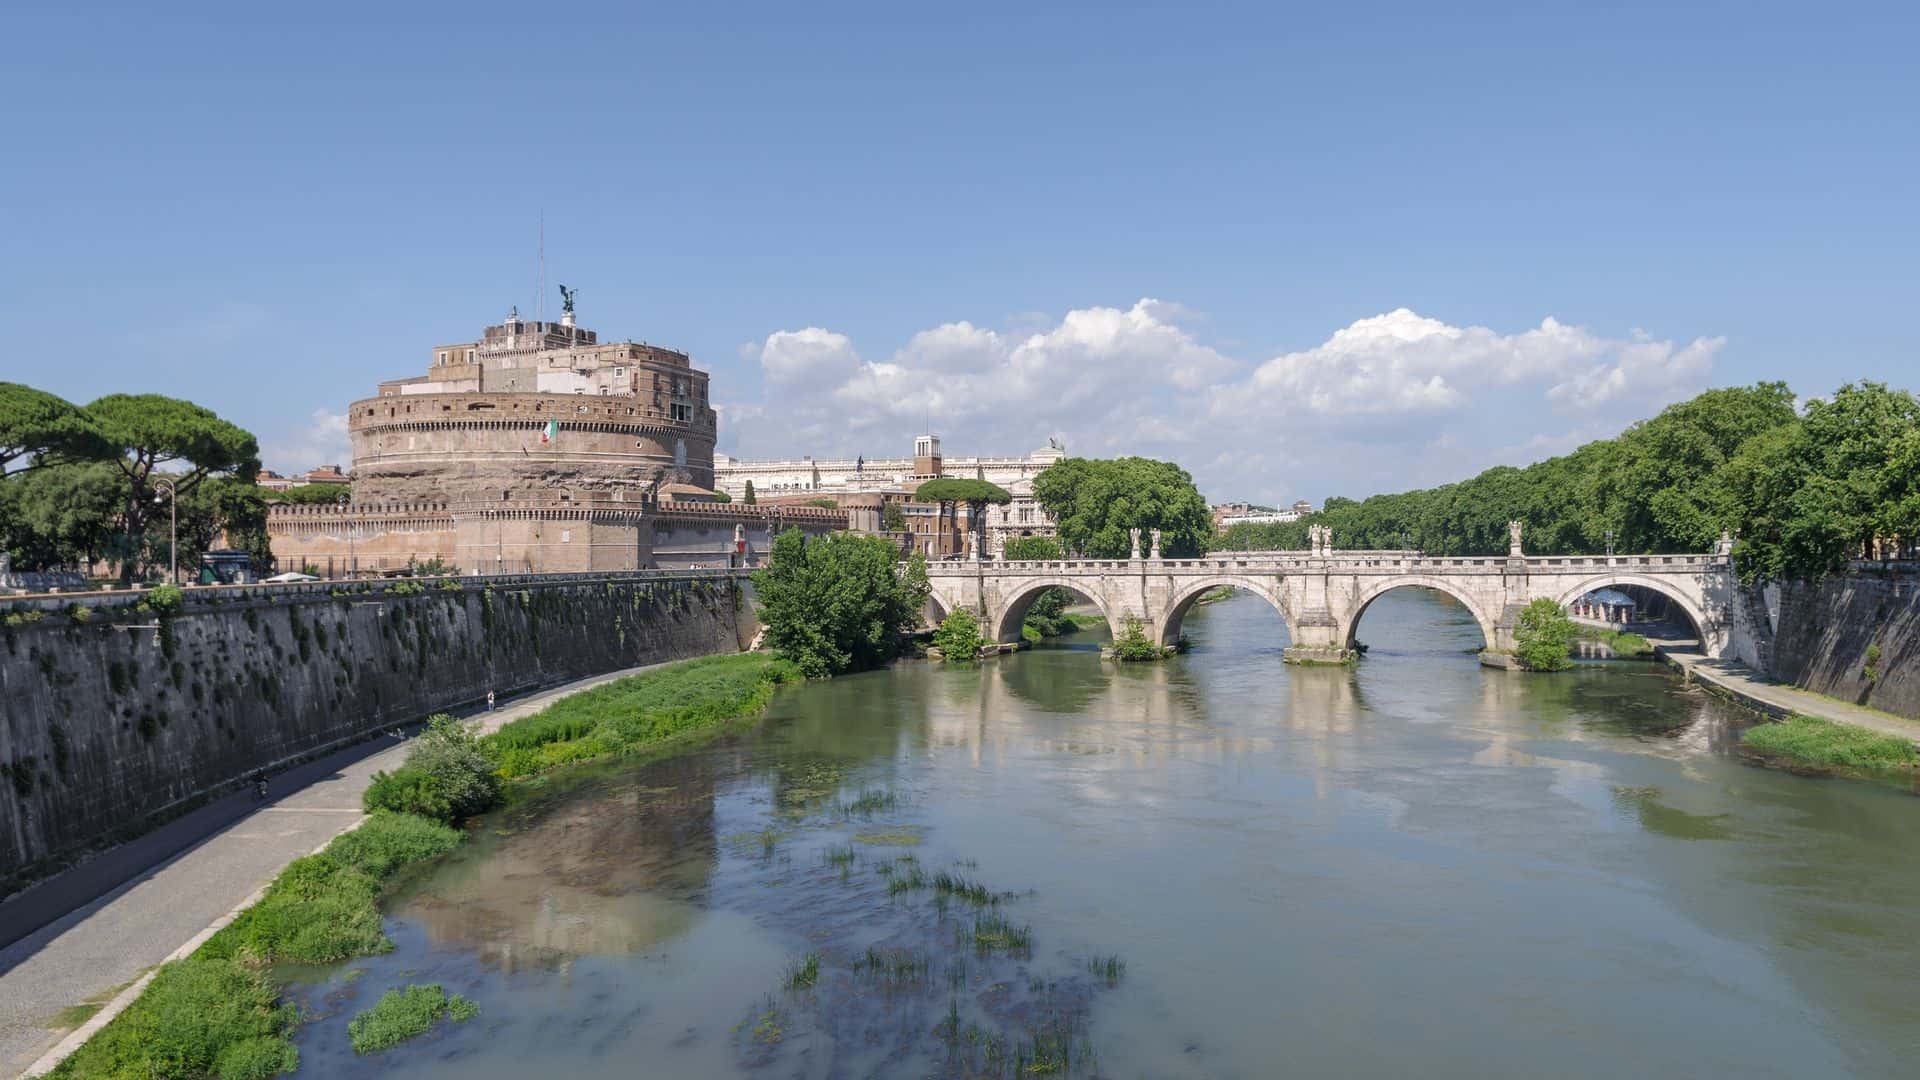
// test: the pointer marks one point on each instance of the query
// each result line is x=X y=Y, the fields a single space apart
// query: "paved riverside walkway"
x=105 y=942
x=1779 y=699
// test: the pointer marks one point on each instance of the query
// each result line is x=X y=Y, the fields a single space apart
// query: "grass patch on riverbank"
x=1824 y=744
x=402 y=1014
x=217 y=1013
x=198 y=1017
x=638 y=713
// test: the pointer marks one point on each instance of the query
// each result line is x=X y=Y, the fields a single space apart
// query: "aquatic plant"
x=993 y=932
x=1108 y=969
x=805 y=972
x=402 y=1014
x=870 y=803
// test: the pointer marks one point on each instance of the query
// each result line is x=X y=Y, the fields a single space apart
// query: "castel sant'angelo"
x=536 y=449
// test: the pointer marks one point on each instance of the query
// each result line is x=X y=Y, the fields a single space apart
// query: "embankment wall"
x=1825 y=630
x=118 y=717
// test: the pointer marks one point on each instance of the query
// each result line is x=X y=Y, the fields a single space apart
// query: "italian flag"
x=547 y=433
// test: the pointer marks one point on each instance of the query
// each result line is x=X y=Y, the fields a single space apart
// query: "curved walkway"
x=106 y=942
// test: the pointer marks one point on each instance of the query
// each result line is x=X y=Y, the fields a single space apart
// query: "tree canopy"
x=39 y=429
x=956 y=489
x=840 y=602
x=1094 y=502
x=1031 y=548
x=1801 y=492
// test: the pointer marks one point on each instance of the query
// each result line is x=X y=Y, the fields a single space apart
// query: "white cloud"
x=1385 y=403
x=322 y=442
x=812 y=353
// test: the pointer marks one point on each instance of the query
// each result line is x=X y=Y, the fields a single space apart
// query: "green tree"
x=892 y=518
x=747 y=496
x=38 y=429
x=222 y=504
x=63 y=514
x=1806 y=497
x=1031 y=549
x=1541 y=637
x=958 y=638
x=838 y=603
x=977 y=494
x=150 y=432
x=1094 y=502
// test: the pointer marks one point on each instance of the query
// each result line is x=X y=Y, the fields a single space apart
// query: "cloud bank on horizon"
x=1390 y=402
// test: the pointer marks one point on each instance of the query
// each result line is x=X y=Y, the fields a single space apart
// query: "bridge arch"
x=1350 y=625
x=1191 y=591
x=1004 y=627
x=1702 y=625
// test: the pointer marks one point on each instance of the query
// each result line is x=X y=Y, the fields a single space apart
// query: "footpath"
x=1748 y=687
x=100 y=951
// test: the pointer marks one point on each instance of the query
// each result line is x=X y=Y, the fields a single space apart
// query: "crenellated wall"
x=117 y=718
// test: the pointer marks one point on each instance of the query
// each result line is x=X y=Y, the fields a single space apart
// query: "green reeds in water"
x=805 y=973
x=906 y=877
x=870 y=803
x=893 y=967
x=994 y=932
x=1108 y=969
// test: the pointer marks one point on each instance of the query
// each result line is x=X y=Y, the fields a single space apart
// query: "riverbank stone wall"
x=116 y=719
x=1826 y=632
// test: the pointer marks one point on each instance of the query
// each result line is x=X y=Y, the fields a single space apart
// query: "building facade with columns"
x=535 y=448
x=894 y=479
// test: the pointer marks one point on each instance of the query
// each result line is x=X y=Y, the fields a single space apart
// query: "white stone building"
x=829 y=477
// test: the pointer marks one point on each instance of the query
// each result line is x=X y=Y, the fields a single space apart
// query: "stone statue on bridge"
x=1134 y=535
x=1155 y=556
x=1513 y=537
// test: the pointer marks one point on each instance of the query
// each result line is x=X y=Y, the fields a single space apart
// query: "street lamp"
x=173 y=528
x=342 y=502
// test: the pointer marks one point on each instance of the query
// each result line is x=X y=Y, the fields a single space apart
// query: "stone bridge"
x=1321 y=594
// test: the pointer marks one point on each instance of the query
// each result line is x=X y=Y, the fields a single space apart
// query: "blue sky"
x=1304 y=250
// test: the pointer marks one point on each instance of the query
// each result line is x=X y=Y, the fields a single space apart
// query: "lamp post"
x=173 y=528
x=342 y=502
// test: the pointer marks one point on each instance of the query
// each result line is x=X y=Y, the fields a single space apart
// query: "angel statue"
x=566 y=299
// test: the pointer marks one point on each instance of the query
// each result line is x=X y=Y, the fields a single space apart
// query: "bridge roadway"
x=1322 y=594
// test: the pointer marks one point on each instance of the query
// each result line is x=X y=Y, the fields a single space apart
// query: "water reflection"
x=1411 y=866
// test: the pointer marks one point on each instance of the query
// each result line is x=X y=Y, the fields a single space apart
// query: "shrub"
x=1872 y=670
x=407 y=587
x=79 y=613
x=1542 y=635
x=401 y=1014
x=958 y=638
x=165 y=600
x=446 y=776
x=1133 y=643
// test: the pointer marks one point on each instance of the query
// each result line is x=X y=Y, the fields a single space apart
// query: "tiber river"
x=1228 y=868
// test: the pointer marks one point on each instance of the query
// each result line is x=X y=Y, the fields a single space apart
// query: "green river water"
x=1413 y=867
